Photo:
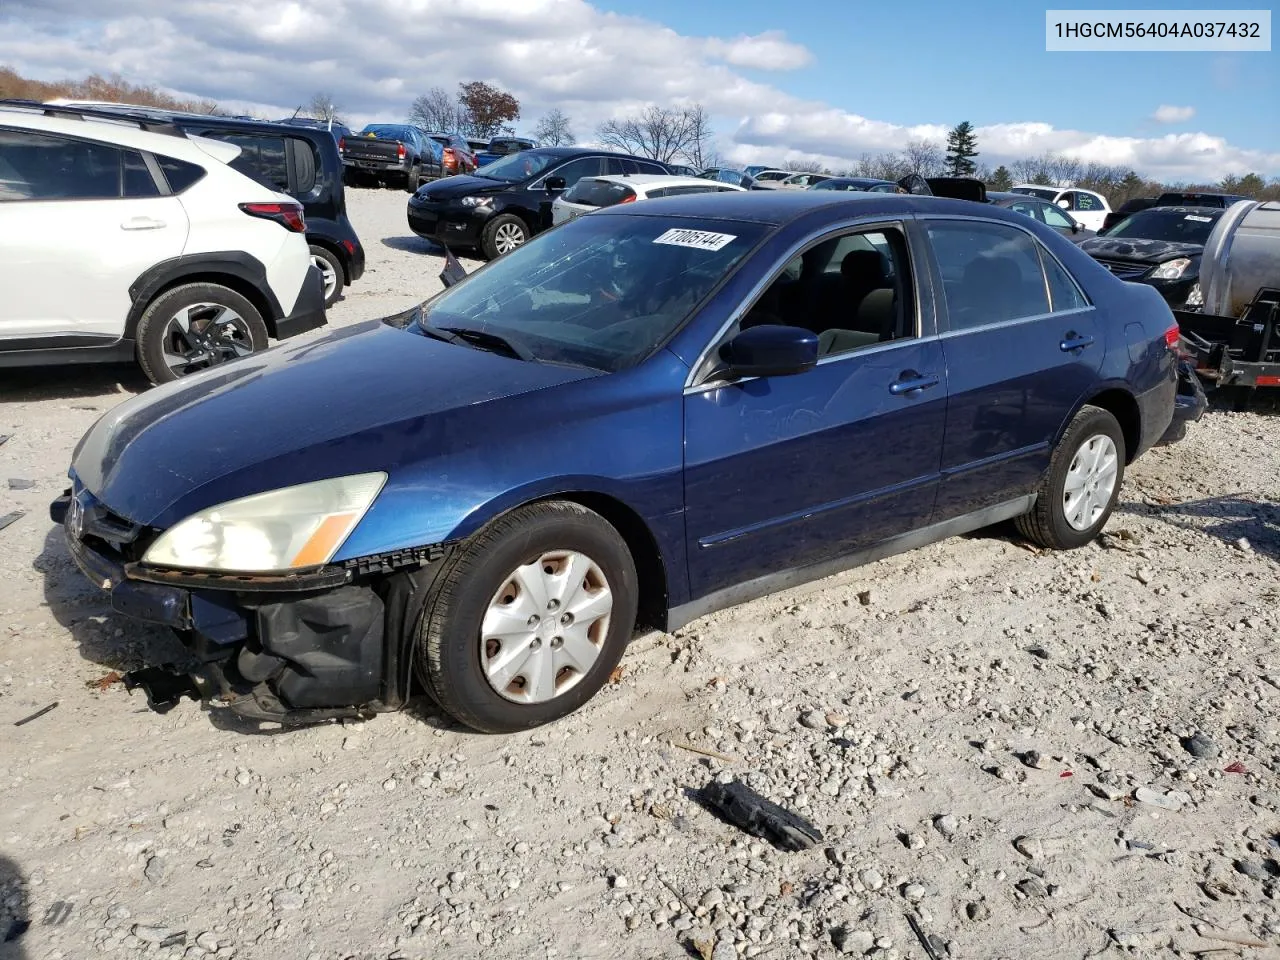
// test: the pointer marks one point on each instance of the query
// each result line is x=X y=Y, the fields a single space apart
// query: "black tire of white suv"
x=196 y=326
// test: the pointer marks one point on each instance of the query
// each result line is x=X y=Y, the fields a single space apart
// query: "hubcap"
x=202 y=335
x=1091 y=479
x=329 y=274
x=545 y=627
x=507 y=237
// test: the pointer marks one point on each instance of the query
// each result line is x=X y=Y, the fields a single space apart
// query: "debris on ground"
x=739 y=805
x=35 y=716
x=13 y=517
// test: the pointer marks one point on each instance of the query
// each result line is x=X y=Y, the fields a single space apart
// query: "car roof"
x=780 y=207
x=654 y=180
x=123 y=132
x=184 y=118
x=1214 y=211
x=1006 y=195
x=578 y=151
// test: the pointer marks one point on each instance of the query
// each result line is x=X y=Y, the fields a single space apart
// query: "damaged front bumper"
x=331 y=644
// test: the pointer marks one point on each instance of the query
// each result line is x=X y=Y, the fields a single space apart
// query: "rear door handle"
x=1074 y=341
x=912 y=382
x=142 y=223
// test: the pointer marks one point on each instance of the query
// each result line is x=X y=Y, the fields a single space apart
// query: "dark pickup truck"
x=396 y=153
x=1231 y=324
x=503 y=147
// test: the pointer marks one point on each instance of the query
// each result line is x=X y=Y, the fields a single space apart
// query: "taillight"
x=400 y=151
x=350 y=247
x=631 y=198
x=342 y=144
x=288 y=215
x=1172 y=336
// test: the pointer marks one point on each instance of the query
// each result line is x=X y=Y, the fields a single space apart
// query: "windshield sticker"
x=1192 y=216
x=698 y=239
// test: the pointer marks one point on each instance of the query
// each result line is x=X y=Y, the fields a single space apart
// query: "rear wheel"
x=530 y=620
x=194 y=327
x=413 y=179
x=1080 y=488
x=503 y=234
x=330 y=267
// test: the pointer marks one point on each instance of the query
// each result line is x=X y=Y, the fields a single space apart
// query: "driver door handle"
x=142 y=223
x=909 y=382
x=1074 y=341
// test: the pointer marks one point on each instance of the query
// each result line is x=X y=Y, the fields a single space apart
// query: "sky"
x=821 y=79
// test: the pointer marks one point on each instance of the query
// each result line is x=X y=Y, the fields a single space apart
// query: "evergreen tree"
x=1001 y=179
x=962 y=146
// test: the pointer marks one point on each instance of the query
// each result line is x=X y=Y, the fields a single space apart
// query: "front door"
x=788 y=471
x=1022 y=345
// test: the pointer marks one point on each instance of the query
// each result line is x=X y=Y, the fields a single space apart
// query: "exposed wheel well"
x=650 y=569
x=1121 y=405
x=241 y=286
x=337 y=251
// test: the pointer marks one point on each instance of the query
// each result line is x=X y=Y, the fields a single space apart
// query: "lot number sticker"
x=1192 y=216
x=698 y=239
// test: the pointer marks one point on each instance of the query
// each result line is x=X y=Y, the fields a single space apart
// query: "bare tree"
x=322 y=106
x=662 y=133
x=437 y=109
x=924 y=157
x=553 y=130
x=806 y=166
x=699 y=149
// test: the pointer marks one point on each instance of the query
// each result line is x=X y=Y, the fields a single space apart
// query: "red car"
x=458 y=157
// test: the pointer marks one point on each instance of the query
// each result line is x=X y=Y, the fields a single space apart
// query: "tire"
x=413 y=179
x=228 y=327
x=1073 y=505
x=502 y=230
x=464 y=671
x=332 y=271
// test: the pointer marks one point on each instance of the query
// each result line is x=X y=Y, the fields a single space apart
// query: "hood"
x=450 y=188
x=371 y=397
x=1139 y=251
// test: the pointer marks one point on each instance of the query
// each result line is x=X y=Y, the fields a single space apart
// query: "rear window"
x=262 y=158
x=598 y=193
x=508 y=146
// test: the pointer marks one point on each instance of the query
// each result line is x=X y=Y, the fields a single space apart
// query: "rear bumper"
x=293 y=650
x=1189 y=404
x=376 y=165
x=308 y=311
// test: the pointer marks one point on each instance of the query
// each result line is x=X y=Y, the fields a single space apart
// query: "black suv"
x=301 y=161
x=509 y=200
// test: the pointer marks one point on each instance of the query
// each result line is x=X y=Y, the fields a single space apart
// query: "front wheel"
x=503 y=234
x=530 y=619
x=196 y=326
x=1079 y=491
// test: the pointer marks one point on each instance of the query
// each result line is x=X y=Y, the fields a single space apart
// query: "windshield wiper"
x=438 y=333
x=484 y=340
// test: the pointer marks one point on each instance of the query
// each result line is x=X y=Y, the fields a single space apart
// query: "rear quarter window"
x=262 y=158
x=179 y=173
x=598 y=193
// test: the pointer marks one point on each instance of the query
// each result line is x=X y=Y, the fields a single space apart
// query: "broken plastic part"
x=739 y=805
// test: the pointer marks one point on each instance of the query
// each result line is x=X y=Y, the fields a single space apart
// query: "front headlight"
x=292 y=528
x=476 y=201
x=1172 y=269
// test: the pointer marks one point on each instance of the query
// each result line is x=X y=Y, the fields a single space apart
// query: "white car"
x=1087 y=208
x=592 y=193
x=803 y=181
x=124 y=239
x=772 y=179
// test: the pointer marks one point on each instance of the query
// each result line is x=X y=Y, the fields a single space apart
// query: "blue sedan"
x=650 y=413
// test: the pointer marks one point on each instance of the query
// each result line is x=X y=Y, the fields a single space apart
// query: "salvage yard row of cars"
x=906 y=367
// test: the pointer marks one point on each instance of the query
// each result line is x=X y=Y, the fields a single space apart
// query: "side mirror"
x=1064 y=204
x=1075 y=226
x=554 y=183
x=770 y=350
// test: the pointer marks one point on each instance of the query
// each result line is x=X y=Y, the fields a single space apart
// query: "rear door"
x=79 y=222
x=791 y=471
x=1022 y=346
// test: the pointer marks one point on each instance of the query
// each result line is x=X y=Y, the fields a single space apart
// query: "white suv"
x=125 y=238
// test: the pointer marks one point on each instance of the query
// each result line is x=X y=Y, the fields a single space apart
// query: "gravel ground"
x=1028 y=754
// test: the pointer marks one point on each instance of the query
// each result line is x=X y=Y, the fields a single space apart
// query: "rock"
x=1254 y=871
x=913 y=841
x=1034 y=759
x=150 y=933
x=389 y=784
x=1144 y=576
x=865 y=598
x=913 y=892
x=1200 y=746
x=1243 y=545
x=619 y=882
x=1165 y=801
x=207 y=942
x=946 y=825
x=712 y=898
x=17 y=484
x=977 y=911
x=871 y=878
x=855 y=942
x=1032 y=887
x=287 y=900
x=1029 y=847
x=724 y=950
x=835 y=719
x=813 y=720
x=155 y=870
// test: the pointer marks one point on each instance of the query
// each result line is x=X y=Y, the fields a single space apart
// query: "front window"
x=1174 y=226
x=601 y=291
x=772 y=175
x=1044 y=193
x=518 y=167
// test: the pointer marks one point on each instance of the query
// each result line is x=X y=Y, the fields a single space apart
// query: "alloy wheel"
x=203 y=335
x=507 y=237
x=329 y=275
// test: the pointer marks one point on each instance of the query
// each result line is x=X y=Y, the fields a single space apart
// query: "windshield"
x=1174 y=226
x=387 y=131
x=599 y=291
x=517 y=167
x=1044 y=193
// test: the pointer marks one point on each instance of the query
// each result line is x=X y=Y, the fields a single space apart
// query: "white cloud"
x=765 y=51
x=1169 y=114
x=376 y=55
